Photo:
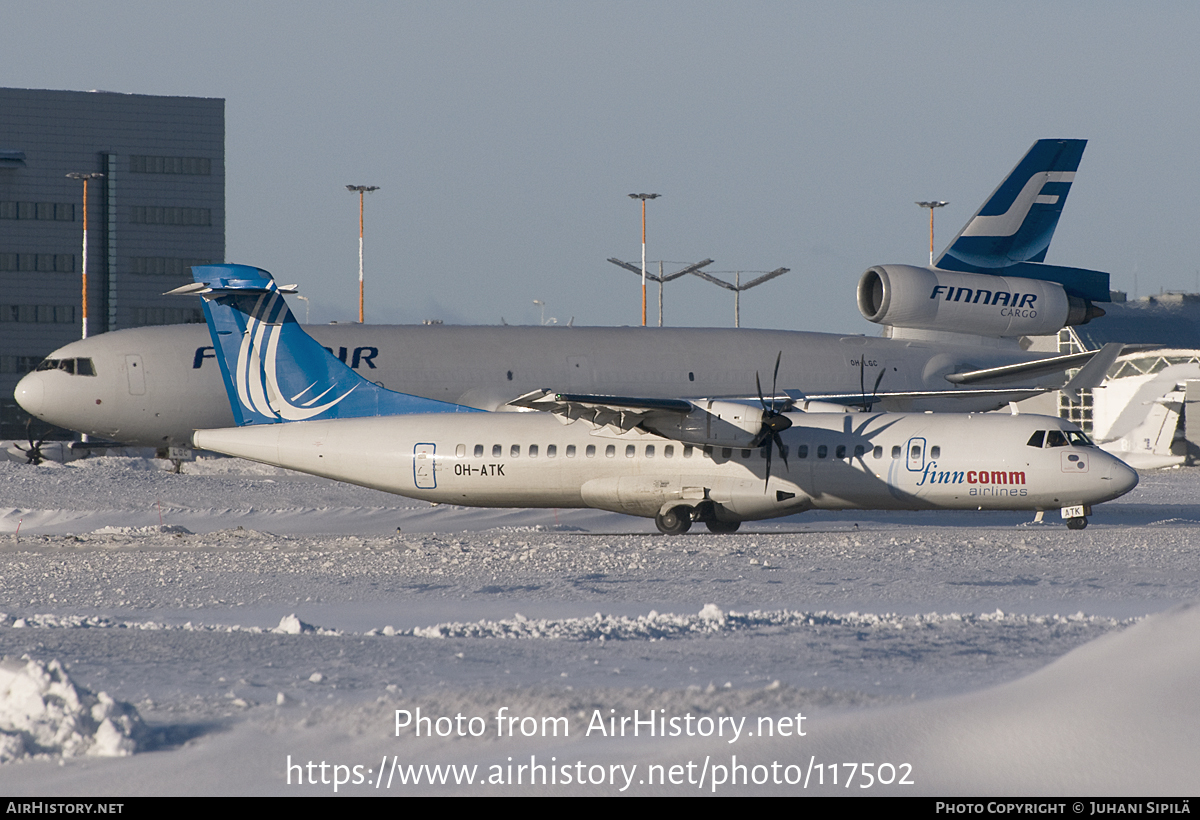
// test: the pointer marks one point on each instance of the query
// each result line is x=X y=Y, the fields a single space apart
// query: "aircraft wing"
x=624 y=412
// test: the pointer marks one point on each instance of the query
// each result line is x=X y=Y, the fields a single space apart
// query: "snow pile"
x=43 y=713
x=288 y=625
x=163 y=529
x=712 y=620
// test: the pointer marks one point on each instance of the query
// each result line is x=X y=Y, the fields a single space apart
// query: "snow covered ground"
x=256 y=618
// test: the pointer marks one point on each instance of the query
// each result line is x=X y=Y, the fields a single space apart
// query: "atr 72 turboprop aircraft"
x=954 y=334
x=673 y=460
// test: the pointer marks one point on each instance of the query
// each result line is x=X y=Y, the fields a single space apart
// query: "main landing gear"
x=675 y=521
x=678 y=520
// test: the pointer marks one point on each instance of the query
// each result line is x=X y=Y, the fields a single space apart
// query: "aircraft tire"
x=675 y=521
x=1076 y=523
x=722 y=527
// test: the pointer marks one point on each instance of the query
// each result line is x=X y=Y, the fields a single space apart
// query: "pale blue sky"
x=506 y=135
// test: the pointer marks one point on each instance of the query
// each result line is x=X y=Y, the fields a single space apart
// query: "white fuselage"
x=834 y=461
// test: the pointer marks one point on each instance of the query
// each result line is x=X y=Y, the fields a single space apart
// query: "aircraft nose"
x=31 y=394
x=1124 y=477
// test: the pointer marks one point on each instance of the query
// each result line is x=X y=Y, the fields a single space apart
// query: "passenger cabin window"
x=840 y=452
x=610 y=451
x=551 y=450
x=935 y=451
x=877 y=452
x=822 y=451
x=497 y=450
x=533 y=451
x=570 y=451
x=915 y=453
x=745 y=454
x=726 y=452
x=896 y=451
x=591 y=451
x=669 y=451
x=478 y=451
x=1036 y=439
x=630 y=451
x=461 y=451
x=649 y=451
x=859 y=450
x=515 y=451
x=802 y=451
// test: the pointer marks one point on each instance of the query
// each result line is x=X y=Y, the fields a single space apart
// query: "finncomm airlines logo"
x=990 y=482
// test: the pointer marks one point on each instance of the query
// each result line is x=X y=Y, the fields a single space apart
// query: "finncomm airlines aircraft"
x=954 y=329
x=677 y=461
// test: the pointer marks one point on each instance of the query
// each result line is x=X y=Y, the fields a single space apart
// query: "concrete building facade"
x=159 y=208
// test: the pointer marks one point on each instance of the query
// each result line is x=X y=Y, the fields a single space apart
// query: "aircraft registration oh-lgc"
x=953 y=340
x=677 y=461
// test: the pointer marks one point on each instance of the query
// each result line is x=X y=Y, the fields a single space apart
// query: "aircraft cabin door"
x=136 y=374
x=424 y=475
x=916 y=454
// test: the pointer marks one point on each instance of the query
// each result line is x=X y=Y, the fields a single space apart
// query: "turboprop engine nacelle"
x=975 y=303
x=713 y=423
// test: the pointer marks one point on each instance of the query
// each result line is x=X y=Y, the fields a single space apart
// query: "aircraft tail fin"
x=1017 y=221
x=274 y=371
x=1010 y=234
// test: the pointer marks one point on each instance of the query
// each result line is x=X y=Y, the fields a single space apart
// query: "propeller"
x=774 y=421
x=862 y=384
x=33 y=453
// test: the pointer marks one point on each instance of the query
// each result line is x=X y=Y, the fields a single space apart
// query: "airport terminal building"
x=158 y=209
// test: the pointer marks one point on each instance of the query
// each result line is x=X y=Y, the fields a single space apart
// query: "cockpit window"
x=1079 y=439
x=76 y=367
x=1056 y=438
x=1036 y=439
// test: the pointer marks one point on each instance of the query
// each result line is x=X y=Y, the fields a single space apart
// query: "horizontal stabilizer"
x=1040 y=367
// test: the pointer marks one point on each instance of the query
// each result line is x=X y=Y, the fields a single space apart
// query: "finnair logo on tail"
x=256 y=376
x=1009 y=222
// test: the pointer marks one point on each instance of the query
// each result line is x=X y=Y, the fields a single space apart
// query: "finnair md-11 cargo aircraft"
x=954 y=330
x=673 y=460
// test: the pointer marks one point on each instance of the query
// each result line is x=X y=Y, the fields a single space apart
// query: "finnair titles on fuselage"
x=947 y=349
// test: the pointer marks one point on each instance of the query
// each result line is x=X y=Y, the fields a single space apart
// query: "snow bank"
x=42 y=713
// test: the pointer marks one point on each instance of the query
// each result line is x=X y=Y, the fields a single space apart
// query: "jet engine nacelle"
x=713 y=423
x=975 y=303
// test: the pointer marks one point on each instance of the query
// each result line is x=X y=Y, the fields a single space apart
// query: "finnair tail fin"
x=274 y=371
x=1010 y=234
x=1017 y=221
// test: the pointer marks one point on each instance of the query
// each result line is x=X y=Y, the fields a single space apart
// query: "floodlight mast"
x=361 y=190
x=643 y=198
x=85 y=177
x=931 y=205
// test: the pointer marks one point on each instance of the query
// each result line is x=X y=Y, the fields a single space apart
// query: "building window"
x=170 y=215
x=38 y=262
x=164 y=266
x=193 y=166
x=46 y=211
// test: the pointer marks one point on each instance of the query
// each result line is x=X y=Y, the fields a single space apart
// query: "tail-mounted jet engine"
x=906 y=296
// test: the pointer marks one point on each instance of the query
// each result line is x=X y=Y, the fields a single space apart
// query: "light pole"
x=737 y=287
x=931 y=205
x=361 y=190
x=85 y=177
x=643 y=198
